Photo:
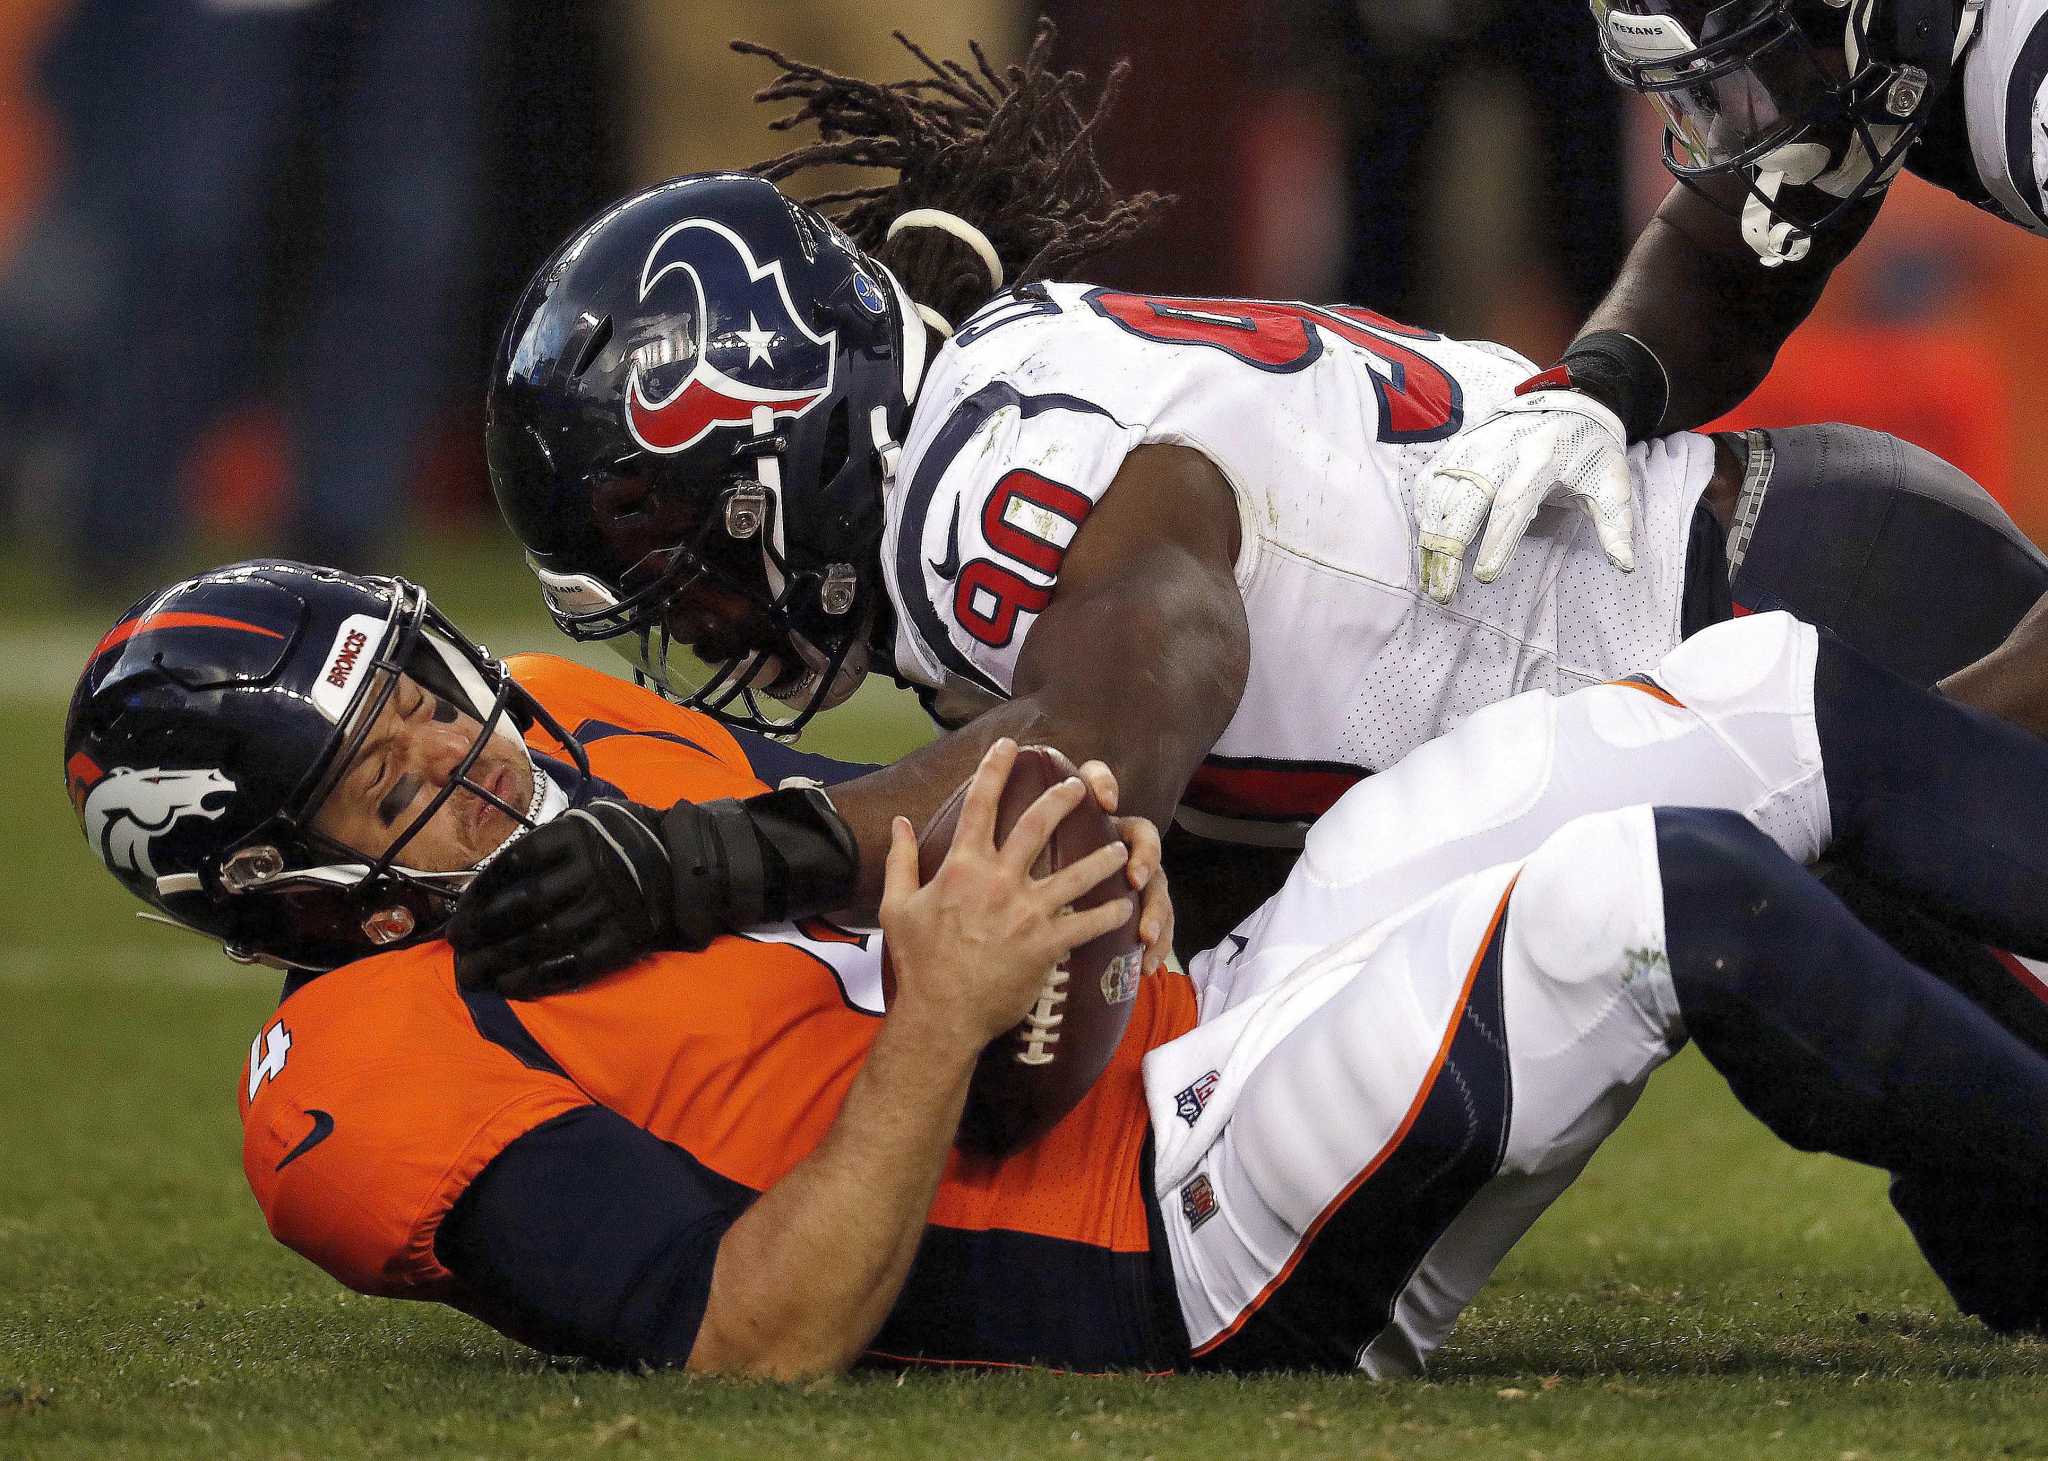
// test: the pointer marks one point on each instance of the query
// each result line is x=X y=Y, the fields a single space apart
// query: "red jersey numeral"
x=989 y=596
x=1419 y=400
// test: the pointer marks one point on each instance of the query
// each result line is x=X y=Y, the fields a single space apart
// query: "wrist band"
x=1624 y=375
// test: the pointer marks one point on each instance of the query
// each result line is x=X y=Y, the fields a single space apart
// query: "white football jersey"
x=1322 y=419
x=2005 y=108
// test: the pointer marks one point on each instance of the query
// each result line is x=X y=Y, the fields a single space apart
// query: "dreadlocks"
x=1012 y=152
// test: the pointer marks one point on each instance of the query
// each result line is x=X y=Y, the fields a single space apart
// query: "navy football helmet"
x=215 y=718
x=692 y=417
x=1826 y=93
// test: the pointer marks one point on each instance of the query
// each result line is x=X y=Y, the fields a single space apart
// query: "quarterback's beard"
x=547 y=802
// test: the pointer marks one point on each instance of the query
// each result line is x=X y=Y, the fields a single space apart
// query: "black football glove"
x=605 y=884
x=584 y=894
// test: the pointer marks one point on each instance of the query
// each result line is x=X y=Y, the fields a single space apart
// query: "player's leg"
x=1729 y=723
x=1343 y=1161
x=1935 y=800
x=1827 y=1034
x=1762 y=715
x=1839 y=1042
x=1986 y=1239
x=1892 y=548
x=2012 y=990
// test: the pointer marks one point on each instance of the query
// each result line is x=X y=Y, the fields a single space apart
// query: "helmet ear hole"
x=593 y=346
x=837 y=444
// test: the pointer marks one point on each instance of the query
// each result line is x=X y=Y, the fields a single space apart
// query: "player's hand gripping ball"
x=1035 y=1072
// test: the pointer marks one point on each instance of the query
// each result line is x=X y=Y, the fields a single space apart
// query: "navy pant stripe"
x=1341 y=1292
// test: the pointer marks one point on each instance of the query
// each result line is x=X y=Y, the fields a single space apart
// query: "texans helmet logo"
x=774 y=363
x=129 y=809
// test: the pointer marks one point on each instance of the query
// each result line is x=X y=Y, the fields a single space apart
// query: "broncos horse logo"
x=775 y=362
x=129 y=809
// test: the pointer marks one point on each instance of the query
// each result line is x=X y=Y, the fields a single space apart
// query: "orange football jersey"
x=376 y=1094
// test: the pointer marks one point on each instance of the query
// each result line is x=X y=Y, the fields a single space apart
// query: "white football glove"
x=1548 y=446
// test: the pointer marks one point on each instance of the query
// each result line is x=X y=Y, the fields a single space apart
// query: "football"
x=1035 y=1072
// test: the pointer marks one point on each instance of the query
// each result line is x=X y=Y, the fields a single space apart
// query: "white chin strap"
x=916 y=356
x=1774 y=240
x=549 y=800
x=915 y=347
x=1804 y=164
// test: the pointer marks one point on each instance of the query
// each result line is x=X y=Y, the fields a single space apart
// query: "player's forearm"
x=918 y=784
x=807 y=1275
x=1696 y=295
x=1138 y=662
x=1152 y=747
x=2008 y=682
x=1682 y=302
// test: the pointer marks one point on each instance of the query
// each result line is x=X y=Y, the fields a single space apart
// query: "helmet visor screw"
x=388 y=925
x=835 y=594
x=251 y=867
x=745 y=506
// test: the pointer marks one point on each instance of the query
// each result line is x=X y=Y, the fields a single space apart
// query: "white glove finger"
x=1504 y=530
x=1450 y=507
x=1522 y=492
x=1609 y=500
x=1443 y=560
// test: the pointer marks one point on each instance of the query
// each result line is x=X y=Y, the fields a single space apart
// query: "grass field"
x=1701 y=1292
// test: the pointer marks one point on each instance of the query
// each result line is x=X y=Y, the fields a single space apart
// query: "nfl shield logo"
x=1189 y=1101
x=1197 y=1201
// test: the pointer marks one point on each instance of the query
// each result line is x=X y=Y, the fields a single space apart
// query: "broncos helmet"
x=697 y=405
x=215 y=718
x=1825 y=93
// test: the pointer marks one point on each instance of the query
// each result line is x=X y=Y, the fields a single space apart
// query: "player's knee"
x=1586 y=901
x=1755 y=668
x=1729 y=895
x=1987 y=1244
x=1938 y=571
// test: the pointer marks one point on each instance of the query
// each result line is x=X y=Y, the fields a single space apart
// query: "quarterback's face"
x=411 y=752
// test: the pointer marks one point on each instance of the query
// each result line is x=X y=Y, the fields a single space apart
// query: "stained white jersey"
x=1322 y=420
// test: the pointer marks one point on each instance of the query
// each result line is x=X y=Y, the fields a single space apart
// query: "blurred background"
x=254 y=253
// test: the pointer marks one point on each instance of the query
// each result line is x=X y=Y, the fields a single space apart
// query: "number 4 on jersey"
x=267 y=1054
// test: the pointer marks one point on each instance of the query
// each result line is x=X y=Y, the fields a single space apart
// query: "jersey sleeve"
x=995 y=496
x=589 y=1236
x=369 y=1103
